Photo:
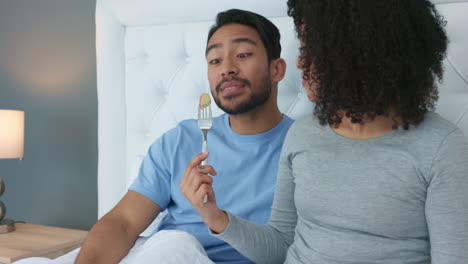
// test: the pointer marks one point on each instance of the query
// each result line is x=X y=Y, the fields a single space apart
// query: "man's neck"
x=256 y=121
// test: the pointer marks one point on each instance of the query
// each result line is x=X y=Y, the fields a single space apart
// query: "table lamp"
x=11 y=147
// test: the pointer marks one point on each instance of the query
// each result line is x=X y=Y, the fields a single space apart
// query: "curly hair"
x=369 y=56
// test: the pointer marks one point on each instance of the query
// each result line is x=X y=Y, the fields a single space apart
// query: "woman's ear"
x=277 y=69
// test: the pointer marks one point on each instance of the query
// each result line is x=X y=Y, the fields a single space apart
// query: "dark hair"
x=268 y=32
x=371 y=56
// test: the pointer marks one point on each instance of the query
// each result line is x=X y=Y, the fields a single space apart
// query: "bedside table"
x=30 y=240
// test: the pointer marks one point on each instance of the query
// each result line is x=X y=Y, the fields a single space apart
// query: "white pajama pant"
x=164 y=247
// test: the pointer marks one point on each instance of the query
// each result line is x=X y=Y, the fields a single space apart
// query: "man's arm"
x=112 y=237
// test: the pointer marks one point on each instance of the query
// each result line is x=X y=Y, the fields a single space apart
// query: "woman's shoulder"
x=431 y=135
x=305 y=127
x=436 y=126
x=308 y=122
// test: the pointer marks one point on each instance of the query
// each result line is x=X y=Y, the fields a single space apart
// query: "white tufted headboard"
x=151 y=71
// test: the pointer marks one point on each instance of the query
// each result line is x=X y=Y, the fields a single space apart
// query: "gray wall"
x=47 y=69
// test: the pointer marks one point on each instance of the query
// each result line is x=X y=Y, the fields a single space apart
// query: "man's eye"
x=244 y=55
x=215 y=61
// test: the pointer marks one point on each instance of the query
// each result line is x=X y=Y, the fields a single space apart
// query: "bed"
x=151 y=71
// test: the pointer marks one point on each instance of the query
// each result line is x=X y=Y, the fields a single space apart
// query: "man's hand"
x=195 y=185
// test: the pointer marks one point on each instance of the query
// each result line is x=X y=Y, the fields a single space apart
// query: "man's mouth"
x=231 y=87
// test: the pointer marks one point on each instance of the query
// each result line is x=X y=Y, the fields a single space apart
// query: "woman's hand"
x=195 y=185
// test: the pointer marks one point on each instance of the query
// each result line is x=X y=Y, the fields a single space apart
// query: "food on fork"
x=205 y=100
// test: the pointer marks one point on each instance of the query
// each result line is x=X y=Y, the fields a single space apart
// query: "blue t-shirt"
x=247 y=167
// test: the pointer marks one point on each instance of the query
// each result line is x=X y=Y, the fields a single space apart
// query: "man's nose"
x=229 y=68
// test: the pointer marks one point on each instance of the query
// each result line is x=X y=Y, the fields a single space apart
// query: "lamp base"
x=6 y=226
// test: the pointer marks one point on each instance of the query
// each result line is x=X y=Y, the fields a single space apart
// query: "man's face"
x=238 y=69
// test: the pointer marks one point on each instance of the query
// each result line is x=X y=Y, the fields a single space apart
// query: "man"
x=244 y=68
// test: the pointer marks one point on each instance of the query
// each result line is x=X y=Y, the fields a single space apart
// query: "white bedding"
x=69 y=258
x=168 y=247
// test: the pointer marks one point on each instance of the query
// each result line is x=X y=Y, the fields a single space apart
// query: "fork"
x=205 y=120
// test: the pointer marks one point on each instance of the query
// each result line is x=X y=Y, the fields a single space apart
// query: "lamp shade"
x=11 y=134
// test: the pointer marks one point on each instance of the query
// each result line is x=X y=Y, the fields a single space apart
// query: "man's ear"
x=277 y=69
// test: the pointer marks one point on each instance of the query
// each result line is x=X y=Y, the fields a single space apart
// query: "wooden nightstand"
x=30 y=240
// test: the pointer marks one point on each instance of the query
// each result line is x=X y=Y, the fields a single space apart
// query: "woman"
x=374 y=176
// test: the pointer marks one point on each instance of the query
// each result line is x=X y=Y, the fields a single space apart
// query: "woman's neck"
x=368 y=128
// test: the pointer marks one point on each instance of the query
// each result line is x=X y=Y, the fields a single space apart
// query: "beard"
x=255 y=100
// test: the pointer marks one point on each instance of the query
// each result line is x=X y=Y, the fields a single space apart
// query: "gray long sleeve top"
x=397 y=199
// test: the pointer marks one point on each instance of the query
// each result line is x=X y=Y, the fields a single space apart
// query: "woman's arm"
x=267 y=244
x=262 y=244
x=447 y=201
